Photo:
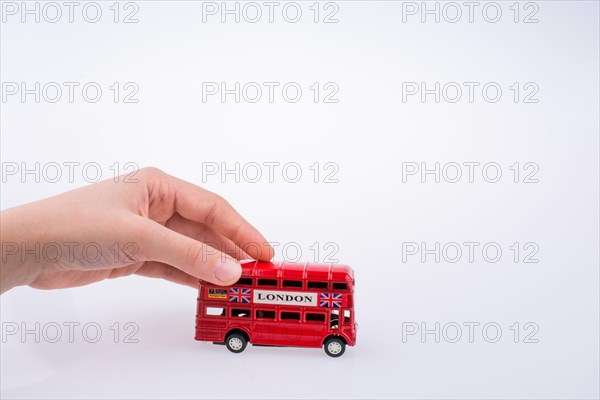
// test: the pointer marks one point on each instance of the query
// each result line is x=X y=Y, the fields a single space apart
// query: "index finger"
x=198 y=204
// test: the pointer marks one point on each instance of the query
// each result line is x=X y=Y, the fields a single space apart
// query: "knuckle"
x=236 y=233
x=150 y=172
x=211 y=215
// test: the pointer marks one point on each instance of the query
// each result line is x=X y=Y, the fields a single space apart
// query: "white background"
x=367 y=215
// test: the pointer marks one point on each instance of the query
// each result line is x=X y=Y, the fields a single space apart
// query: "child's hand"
x=159 y=227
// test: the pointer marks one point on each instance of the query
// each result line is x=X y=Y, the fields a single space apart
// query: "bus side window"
x=334 y=319
x=317 y=285
x=315 y=317
x=244 y=282
x=215 y=312
x=236 y=312
x=264 y=314
x=288 y=283
x=290 y=316
x=340 y=286
x=267 y=282
x=346 y=316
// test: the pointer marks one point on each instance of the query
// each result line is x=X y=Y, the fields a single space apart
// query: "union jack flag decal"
x=239 y=295
x=330 y=300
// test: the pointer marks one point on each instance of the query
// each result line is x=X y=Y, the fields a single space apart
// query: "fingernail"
x=227 y=270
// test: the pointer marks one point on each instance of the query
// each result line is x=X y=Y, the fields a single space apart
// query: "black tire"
x=334 y=347
x=236 y=343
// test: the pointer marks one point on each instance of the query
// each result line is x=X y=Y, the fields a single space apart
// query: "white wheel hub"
x=334 y=347
x=235 y=343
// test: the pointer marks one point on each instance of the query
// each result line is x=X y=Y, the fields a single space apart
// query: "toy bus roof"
x=289 y=270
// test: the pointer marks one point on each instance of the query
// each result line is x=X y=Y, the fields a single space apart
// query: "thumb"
x=191 y=256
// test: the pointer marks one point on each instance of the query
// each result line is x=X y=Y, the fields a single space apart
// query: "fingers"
x=159 y=243
x=69 y=279
x=205 y=234
x=200 y=205
x=153 y=269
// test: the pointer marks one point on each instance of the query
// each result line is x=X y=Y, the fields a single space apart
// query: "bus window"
x=236 y=312
x=244 y=282
x=346 y=316
x=288 y=283
x=265 y=314
x=267 y=282
x=340 y=286
x=288 y=315
x=317 y=285
x=315 y=317
x=215 y=312
x=334 y=319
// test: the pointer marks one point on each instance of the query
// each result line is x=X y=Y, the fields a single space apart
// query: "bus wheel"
x=334 y=347
x=236 y=343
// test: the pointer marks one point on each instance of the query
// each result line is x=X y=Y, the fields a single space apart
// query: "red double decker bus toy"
x=280 y=304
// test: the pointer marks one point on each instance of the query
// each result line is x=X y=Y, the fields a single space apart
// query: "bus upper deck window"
x=288 y=283
x=267 y=282
x=244 y=282
x=340 y=286
x=317 y=285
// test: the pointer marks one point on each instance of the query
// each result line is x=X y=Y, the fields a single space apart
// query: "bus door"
x=213 y=321
x=265 y=325
x=315 y=326
x=290 y=330
x=340 y=317
x=334 y=319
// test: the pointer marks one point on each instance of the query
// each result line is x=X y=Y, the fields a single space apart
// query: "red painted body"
x=280 y=304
